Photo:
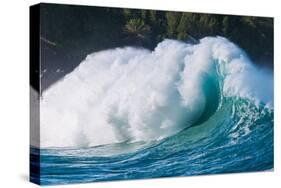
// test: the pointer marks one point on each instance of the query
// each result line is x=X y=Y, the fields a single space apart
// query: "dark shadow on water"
x=212 y=91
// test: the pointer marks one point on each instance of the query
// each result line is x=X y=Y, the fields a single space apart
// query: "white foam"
x=135 y=94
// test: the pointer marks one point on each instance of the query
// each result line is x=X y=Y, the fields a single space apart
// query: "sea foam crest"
x=129 y=94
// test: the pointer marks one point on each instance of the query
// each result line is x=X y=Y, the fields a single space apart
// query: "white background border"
x=14 y=91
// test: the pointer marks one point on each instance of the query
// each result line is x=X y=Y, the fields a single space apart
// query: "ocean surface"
x=180 y=110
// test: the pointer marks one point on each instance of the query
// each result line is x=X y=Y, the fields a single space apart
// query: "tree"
x=173 y=19
x=225 y=25
x=249 y=21
x=137 y=28
x=127 y=13
x=152 y=16
x=183 y=26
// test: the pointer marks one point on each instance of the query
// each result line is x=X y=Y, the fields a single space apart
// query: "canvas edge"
x=34 y=81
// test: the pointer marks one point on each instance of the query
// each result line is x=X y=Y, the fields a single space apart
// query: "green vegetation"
x=253 y=34
x=137 y=28
x=71 y=27
x=137 y=31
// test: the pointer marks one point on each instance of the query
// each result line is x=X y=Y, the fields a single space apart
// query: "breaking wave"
x=130 y=94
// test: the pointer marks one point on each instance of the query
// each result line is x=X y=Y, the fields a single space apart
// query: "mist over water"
x=129 y=94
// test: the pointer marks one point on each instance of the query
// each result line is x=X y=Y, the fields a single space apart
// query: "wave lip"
x=129 y=94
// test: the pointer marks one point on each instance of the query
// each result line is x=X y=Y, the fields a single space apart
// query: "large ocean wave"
x=181 y=109
x=129 y=94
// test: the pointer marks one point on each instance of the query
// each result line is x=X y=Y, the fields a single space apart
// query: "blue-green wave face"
x=179 y=110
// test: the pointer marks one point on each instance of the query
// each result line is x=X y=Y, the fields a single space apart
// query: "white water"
x=135 y=94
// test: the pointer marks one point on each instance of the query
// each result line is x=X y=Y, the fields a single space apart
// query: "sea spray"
x=129 y=94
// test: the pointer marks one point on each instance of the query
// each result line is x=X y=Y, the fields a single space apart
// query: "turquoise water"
x=238 y=137
x=180 y=110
